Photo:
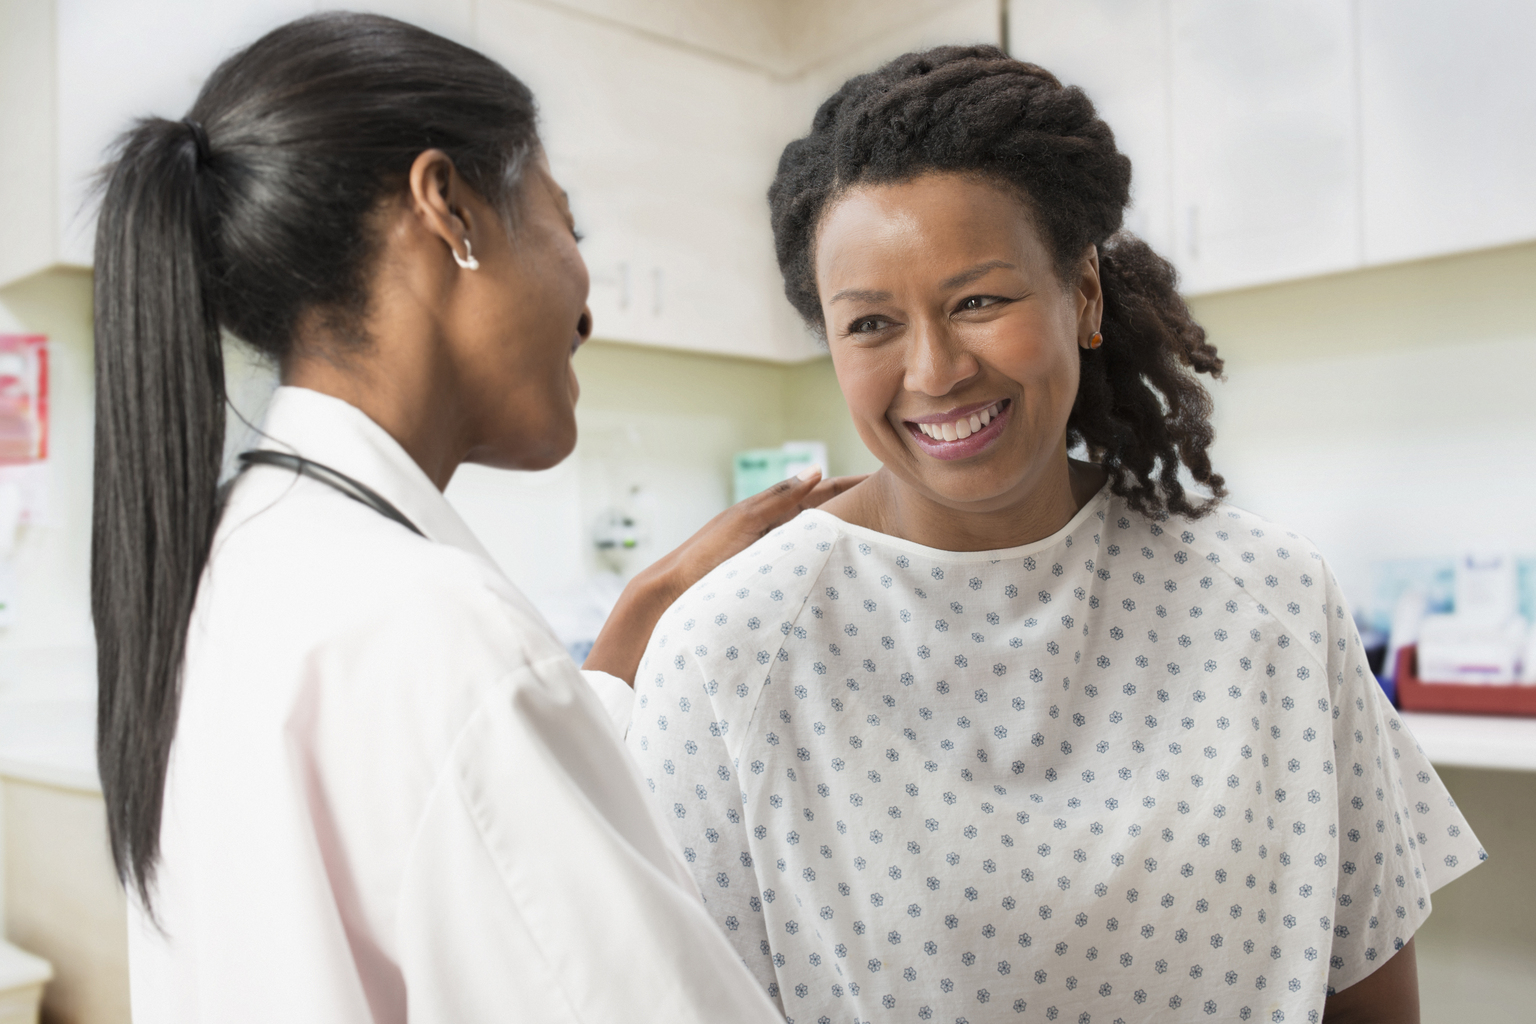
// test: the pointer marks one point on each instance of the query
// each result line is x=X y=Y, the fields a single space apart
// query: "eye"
x=979 y=302
x=576 y=234
x=868 y=325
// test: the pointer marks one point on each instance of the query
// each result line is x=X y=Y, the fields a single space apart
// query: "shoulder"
x=1229 y=542
x=757 y=593
x=330 y=575
x=727 y=631
x=1241 y=559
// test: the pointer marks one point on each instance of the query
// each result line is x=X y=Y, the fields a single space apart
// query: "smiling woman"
x=1001 y=732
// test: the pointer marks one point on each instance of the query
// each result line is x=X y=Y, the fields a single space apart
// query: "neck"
x=1041 y=507
x=400 y=386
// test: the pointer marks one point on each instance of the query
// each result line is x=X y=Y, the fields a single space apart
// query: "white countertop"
x=1475 y=741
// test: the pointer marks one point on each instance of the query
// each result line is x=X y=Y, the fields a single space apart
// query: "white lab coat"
x=392 y=796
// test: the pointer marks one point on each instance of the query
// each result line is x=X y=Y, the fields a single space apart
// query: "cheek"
x=868 y=385
x=1043 y=364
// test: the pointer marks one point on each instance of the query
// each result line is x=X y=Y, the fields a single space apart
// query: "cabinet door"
x=1117 y=51
x=1448 y=118
x=667 y=155
x=122 y=61
x=1265 y=152
x=27 y=201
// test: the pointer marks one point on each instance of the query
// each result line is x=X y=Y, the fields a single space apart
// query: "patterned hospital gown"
x=1135 y=771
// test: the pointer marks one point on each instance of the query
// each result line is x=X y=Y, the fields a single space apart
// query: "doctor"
x=350 y=774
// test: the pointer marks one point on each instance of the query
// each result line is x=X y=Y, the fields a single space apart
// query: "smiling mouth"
x=962 y=427
x=962 y=435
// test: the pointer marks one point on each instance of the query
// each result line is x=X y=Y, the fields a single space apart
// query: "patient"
x=1003 y=733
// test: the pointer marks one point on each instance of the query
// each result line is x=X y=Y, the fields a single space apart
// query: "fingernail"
x=806 y=474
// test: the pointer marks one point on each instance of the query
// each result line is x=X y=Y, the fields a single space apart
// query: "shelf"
x=1475 y=741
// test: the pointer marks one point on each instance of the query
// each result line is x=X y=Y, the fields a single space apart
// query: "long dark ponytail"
x=1140 y=410
x=249 y=214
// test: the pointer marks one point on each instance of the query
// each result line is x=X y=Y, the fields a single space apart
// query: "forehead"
x=935 y=221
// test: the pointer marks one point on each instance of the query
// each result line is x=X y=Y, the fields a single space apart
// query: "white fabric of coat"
x=1135 y=771
x=392 y=796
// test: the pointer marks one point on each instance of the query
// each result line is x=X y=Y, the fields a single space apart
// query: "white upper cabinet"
x=1116 y=51
x=667 y=154
x=78 y=73
x=1448 y=119
x=1271 y=139
x=121 y=61
x=1266 y=173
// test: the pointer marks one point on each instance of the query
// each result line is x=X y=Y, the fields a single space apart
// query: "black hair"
x=254 y=212
x=1140 y=410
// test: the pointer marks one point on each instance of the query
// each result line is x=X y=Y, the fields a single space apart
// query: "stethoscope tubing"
x=354 y=489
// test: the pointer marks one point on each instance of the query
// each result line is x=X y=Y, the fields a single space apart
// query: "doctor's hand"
x=623 y=638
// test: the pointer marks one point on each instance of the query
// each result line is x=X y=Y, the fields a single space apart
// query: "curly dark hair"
x=1140 y=410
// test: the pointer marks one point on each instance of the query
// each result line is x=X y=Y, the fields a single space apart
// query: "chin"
x=979 y=485
x=546 y=453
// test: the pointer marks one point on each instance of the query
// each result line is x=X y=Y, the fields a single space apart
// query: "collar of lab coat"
x=339 y=435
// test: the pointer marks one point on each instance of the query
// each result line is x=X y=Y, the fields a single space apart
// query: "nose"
x=584 y=324
x=936 y=362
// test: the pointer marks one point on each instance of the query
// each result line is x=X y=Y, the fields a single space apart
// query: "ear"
x=1089 y=292
x=437 y=199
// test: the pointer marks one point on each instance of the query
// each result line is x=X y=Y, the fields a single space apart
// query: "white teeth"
x=960 y=428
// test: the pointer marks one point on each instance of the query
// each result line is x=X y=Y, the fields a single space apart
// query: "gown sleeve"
x=542 y=885
x=1401 y=836
x=693 y=777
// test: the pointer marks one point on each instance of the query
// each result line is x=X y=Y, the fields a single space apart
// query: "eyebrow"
x=860 y=295
x=965 y=277
x=977 y=272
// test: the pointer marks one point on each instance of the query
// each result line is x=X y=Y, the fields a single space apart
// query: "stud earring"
x=467 y=261
x=1096 y=340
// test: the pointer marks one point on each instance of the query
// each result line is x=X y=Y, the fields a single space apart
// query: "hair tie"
x=200 y=139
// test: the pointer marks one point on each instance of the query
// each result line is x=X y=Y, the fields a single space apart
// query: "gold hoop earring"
x=1096 y=340
x=467 y=261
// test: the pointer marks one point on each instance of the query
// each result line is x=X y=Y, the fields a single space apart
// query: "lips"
x=961 y=433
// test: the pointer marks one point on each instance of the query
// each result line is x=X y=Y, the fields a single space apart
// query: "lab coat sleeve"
x=616 y=696
x=543 y=887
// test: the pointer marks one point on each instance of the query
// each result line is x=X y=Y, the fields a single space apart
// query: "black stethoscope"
x=353 y=489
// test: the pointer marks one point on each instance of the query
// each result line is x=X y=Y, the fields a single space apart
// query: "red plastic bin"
x=1413 y=694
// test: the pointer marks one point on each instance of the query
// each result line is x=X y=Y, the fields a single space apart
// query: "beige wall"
x=1384 y=413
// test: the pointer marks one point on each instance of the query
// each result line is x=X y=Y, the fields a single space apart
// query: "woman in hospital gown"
x=1002 y=734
